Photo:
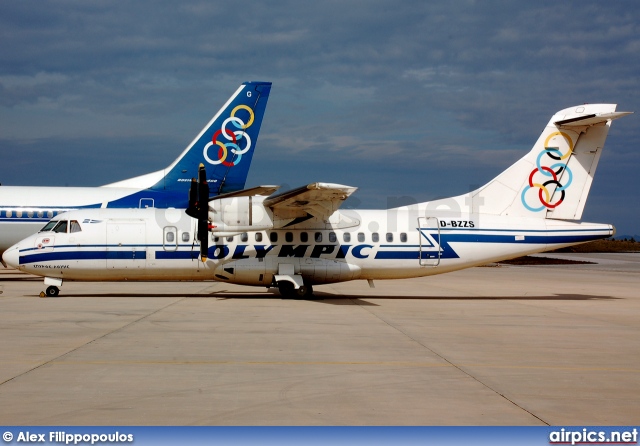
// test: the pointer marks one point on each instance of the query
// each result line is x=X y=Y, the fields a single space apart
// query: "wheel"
x=304 y=292
x=286 y=289
x=53 y=291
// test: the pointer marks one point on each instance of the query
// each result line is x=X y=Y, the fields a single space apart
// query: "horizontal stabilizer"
x=591 y=119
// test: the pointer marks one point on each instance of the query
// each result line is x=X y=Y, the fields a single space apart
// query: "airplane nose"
x=12 y=257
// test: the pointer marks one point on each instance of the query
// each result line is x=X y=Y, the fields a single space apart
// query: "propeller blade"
x=203 y=193
x=203 y=232
x=192 y=210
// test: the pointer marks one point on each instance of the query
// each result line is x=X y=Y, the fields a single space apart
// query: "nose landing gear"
x=51 y=291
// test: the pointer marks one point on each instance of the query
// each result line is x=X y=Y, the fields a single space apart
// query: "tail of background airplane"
x=553 y=180
x=225 y=146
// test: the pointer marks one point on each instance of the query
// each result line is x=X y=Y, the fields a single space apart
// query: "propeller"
x=199 y=209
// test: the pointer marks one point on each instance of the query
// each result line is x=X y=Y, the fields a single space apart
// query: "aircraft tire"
x=303 y=292
x=286 y=289
x=53 y=291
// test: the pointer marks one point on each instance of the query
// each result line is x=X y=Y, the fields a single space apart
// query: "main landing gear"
x=288 y=290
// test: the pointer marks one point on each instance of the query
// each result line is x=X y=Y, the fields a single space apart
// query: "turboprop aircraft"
x=225 y=144
x=300 y=238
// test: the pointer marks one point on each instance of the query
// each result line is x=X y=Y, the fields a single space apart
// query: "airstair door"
x=429 y=236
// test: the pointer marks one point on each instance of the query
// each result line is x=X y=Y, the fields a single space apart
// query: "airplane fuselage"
x=158 y=244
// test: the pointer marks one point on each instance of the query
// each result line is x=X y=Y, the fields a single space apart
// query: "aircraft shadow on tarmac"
x=334 y=299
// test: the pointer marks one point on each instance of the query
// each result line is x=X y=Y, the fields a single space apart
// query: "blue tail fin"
x=225 y=145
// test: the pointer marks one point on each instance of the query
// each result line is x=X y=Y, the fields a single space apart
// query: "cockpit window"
x=49 y=226
x=61 y=226
x=75 y=226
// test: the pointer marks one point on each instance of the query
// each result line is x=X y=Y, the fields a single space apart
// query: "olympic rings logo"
x=550 y=174
x=233 y=139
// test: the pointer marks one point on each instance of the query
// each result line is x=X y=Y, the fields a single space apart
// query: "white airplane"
x=300 y=238
x=226 y=144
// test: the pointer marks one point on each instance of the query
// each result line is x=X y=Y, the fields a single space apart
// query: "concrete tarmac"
x=506 y=345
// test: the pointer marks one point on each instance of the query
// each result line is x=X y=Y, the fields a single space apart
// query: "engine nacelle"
x=261 y=271
x=239 y=214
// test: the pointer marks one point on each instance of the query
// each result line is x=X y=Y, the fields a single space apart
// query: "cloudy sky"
x=408 y=100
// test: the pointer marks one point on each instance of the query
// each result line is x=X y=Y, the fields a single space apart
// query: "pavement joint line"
x=57 y=358
x=341 y=363
x=456 y=366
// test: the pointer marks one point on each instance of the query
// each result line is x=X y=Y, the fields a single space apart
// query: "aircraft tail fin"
x=553 y=180
x=225 y=145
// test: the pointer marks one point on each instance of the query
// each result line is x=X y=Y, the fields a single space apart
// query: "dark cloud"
x=419 y=99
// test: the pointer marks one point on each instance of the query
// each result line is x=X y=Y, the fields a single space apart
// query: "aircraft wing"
x=251 y=192
x=318 y=200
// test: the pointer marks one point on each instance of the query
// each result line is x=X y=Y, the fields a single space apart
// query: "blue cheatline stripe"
x=447 y=252
x=83 y=255
x=383 y=252
x=519 y=231
x=405 y=255
x=24 y=220
x=180 y=255
x=528 y=239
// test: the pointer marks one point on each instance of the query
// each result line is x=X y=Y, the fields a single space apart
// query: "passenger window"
x=389 y=237
x=75 y=226
x=170 y=236
x=61 y=227
x=318 y=236
x=230 y=239
x=19 y=214
x=40 y=214
x=332 y=237
x=49 y=214
x=185 y=237
x=403 y=237
x=30 y=214
x=361 y=236
x=216 y=239
x=375 y=238
x=346 y=237
x=258 y=236
x=273 y=236
x=288 y=236
x=244 y=237
x=304 y=237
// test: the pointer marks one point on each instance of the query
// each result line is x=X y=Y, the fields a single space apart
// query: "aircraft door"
x=126 y=245
x=429 y=236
